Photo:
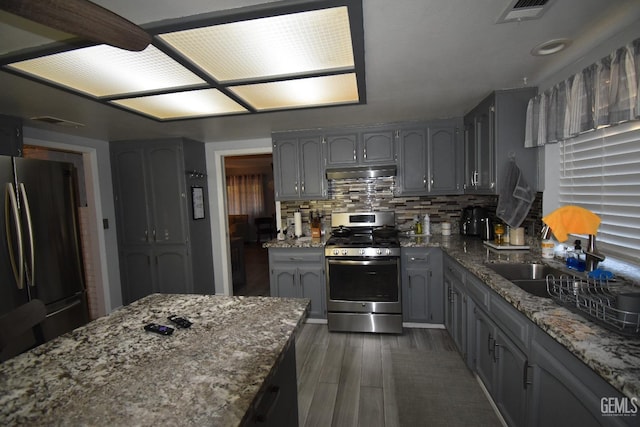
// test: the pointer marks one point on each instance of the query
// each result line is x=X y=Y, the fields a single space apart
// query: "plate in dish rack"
x=506 y=247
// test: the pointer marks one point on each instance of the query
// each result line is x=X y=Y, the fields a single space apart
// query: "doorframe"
x=218 y=204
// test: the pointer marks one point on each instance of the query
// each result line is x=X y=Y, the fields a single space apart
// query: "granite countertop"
x=112 y=372
x=302 y=242
x=614 y=357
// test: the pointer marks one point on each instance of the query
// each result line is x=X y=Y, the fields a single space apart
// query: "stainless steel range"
x=363 y=273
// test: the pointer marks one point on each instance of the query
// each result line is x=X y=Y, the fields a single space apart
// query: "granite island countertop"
x=112 y=372
x=614 y=357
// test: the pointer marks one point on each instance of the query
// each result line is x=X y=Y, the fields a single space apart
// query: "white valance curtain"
x=603 y=94
x=245 y=195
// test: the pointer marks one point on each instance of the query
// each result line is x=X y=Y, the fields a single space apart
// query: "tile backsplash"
x=376 y=194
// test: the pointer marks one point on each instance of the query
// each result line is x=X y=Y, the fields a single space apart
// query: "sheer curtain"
x=245 y=195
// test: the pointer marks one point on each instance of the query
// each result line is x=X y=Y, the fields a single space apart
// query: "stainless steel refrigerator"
x=40 y=253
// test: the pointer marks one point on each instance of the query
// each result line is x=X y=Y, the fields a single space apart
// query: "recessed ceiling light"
x=550 y=47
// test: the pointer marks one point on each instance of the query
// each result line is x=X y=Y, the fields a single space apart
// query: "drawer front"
x=511 y=321
x=453 y=269
x=310 y=255
x=478 y=291
x=416 y=257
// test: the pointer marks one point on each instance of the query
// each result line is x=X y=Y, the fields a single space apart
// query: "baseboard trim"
x=316 y=321
x=491 y=402
x=423 y=325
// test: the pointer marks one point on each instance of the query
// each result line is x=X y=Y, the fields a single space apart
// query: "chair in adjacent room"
x=265 y=225
x=21 y=330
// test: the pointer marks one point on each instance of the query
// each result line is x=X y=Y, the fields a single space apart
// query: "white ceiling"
x=424 y=59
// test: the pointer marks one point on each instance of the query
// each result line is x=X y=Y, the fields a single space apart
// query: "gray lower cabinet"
x=154 y=218
x=298 y=166
x=277 y=405
x=430 y=158
x=455 y=304
x=501 y=365
x=299 y=273
x=560 y=385
x=422 y=288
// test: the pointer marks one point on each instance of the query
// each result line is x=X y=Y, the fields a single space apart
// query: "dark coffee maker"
x=475 y=221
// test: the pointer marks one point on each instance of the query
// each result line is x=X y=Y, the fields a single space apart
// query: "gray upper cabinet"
x=153 y=220
x=298 y=167
x=494 y=133
x=430 y=156
x=360 y=147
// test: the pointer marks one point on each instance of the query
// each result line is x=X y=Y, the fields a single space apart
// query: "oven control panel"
x=361 y=252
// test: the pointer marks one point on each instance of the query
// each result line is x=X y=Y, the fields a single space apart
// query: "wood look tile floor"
x=346 y=380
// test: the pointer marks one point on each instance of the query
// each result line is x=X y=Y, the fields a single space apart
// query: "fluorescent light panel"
x=108 y=71
x=286 y=45
x=308 y=92
x=178 y=105
x=301 y=45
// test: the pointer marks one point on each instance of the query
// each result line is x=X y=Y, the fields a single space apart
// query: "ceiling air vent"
x=56 y=121
x=520 y=10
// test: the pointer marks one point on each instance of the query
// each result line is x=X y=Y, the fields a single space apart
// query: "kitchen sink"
x=528 y=277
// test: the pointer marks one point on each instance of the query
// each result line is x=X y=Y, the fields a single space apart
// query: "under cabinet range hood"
x=362 y=172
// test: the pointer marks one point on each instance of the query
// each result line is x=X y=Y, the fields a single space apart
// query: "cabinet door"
x=485 y=149
x=136 y=272
x=484 y=347
x=510 y=393
x=312 y=177
x=312 y=286
x=416 y=296
x=470 y=169
x=378 y=148
x=131 y=197
x=443 y=161
x=455 y=314
x=285 y=170
x=172 y=268
x=168 y=199
x=413 y=162
x=342 y=150
x=284 y=282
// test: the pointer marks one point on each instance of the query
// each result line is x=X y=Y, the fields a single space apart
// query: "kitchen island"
x=113 y=372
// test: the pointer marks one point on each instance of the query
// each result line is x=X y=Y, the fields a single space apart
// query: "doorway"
x=250 y=201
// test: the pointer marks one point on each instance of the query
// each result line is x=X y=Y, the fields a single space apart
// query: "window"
x=600 y=171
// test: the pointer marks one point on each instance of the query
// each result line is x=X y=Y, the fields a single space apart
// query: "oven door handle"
x=363 y=262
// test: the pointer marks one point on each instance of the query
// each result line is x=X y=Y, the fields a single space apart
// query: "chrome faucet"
x=592 y=256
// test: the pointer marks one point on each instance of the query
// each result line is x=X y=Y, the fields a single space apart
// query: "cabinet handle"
x=424 y=181
x=489 y=344
x=146 y=235
x=295 y=186
x=154 y=235
x=431 y=181
x=525 y=375
x=354 y=154
x=496 y=347
x=417 y=259
x=364 y=153
x=302 y=187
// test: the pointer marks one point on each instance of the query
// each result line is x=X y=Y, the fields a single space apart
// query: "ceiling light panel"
x=103 y=71
x=287 y=45
x=179 y=105
x=299 y=93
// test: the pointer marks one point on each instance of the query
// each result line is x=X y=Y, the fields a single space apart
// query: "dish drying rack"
x=596 y=299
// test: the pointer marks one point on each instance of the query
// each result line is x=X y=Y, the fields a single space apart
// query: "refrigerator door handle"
x=31 y=271
x=11 y=211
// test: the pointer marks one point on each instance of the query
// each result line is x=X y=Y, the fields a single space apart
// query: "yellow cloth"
x=572 y=219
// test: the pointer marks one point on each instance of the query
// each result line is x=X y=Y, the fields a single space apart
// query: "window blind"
x=600 y=171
